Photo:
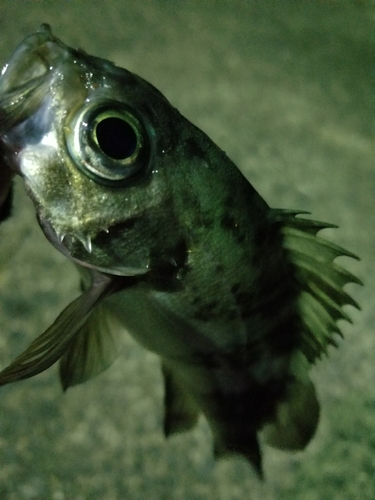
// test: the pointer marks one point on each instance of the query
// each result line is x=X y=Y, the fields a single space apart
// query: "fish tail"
x=236 y=417
x=233 y=416
x=228 y=442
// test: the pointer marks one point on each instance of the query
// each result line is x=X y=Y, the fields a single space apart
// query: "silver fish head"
x=87 y=137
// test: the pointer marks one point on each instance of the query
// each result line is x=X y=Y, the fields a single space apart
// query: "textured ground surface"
x=284 y=88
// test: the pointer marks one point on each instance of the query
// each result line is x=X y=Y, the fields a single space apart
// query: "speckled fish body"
x=174 y=245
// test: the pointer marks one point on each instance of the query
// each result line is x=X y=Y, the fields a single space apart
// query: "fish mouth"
x=25 y=78
x=62 y=242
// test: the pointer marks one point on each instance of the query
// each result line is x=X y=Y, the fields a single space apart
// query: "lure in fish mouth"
x=174 y=245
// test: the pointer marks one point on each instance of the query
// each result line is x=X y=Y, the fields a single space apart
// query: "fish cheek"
x=45 y=176
x=142 y=240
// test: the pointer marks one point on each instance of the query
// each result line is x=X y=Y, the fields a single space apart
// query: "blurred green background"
x=284 y=88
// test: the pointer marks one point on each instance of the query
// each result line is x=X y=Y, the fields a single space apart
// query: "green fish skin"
x=174 y=246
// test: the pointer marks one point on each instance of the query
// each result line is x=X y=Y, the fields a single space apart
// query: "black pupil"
x=116 y=138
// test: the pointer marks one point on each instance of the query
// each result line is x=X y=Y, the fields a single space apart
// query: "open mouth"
x=82 y=249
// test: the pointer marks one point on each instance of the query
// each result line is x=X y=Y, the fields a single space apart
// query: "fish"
x=174 y=246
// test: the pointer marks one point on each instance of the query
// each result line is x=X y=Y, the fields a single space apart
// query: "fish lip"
x=21 y=66
x=25 y=78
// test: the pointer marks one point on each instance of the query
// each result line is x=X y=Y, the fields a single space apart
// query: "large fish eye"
x=108 y=143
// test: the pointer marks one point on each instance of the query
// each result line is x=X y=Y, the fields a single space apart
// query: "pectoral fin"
x=51 y=345
x=93 y=348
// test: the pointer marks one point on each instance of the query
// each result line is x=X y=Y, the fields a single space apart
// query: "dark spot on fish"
x=6 y=208
x=229 y=223
x=213 y=309
x=116 y=230
x=270 y=315
x=180 y=254
x=244 y=300
x=252 y=407
x=168 y=270
x=195 y=148
x=127 y=225
x=206 y=311
x=232 y=314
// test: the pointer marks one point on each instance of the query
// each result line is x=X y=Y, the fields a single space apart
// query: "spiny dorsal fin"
x=181 y=413
x=286 y=216
x=93 y=348
x=321 y=280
